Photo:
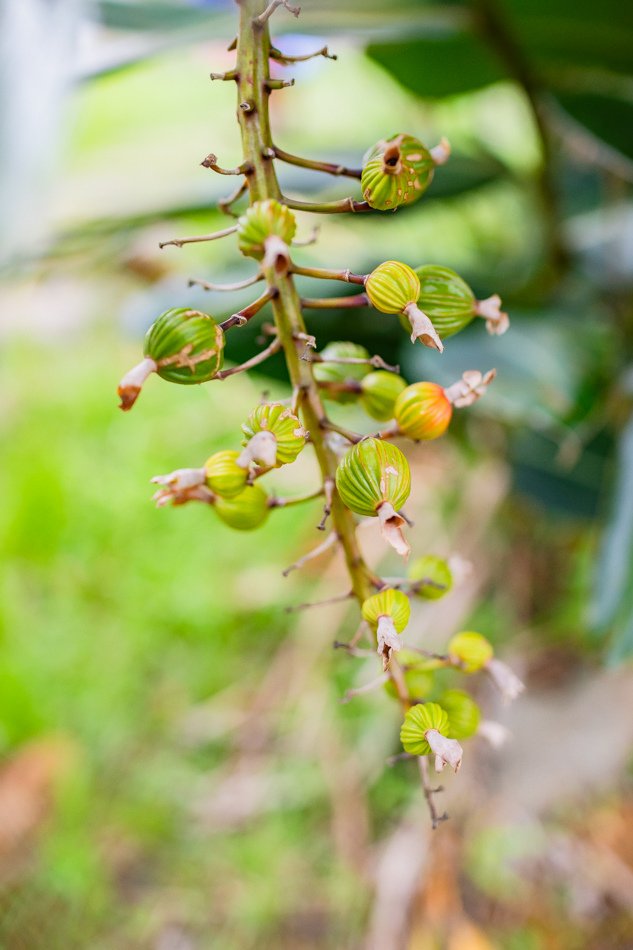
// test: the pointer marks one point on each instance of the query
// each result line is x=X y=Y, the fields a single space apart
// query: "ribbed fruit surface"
x=418 y=720
x=445 y=298
x=380 y=390
x=373 y=471
x=261 y=220
x=391 y=286
x=422 y=411
x=472 y=649
x=245 y=511
x=396 y=171
x=224 y=476
x=286 y=427
x=190 y=343
x=463 y=713
x=388 y=603
x=341 y=372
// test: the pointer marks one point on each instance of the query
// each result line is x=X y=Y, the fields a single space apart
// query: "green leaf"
x=609 y=119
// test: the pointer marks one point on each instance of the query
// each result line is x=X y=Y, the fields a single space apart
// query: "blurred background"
x=177 y=771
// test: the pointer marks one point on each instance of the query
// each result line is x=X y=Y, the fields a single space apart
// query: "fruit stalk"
x=253 y=49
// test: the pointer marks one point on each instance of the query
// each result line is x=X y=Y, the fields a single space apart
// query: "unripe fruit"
x=463 y=713
x=245 y=511
x=274 y=436
x=419 y=681
x=432 y=576
x=371 y=473
x=451 y=305
x=374 y=479
x=393 y=287
x=341 y=373
x=182 y=346
x=379 y=391
x=387 y=603
x=417 y=722
x=223 y=475
x=264 y=219
x=423 y=411
x=396 y=171
x=471 y=650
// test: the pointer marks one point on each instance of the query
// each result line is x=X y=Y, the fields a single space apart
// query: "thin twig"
x=325 y=273
x=200 y=239
x=247 y=313
x=285 y=60
x=238 y=285
x=429 y=792
x=211 y=161
x=261 y=20
x=311 y=239
x=337 y=599
x=330 y=168
x=224 y=204
x=298 y=500
x=260 y=357
x=328 y=207
x=329 y=542
x=367 y=688
x=335 y=303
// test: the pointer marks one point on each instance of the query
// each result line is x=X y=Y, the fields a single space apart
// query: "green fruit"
x=186 y=345
x=396 y=171
x=392 y=286
x=418 y=720
x=463 y=713
x=471 y=650
x=445 y=298
x=371 y=473
x=435 y=574
x=277 y=419
x=341 y=372
x=387 y=603
x=379 y=391
x=262 y=220
x=245 y=511
x=224 y=476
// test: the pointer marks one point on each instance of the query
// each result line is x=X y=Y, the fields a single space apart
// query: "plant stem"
x=329 y=168
x=253 y=48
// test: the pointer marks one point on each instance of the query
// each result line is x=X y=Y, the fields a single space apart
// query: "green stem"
x=253 y=48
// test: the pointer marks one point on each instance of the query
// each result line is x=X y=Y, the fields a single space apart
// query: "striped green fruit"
x=396 y=171
x=274 y=417
x=262 y=220
x=371 y=473
x=186 y=345
x=463 y=713
x=417 y=722
x=422 y=411
x=387 y=603
x=245 y=511
x=223 y=475
x=341 y=372
x=379 y=391
x=392 y=286
x=445 y=298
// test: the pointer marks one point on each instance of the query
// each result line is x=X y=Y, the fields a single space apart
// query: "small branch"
x=273 y=84
x=324 y=273
x=328 y=490
x=311 y=239
x=287 y=502
x=327 y=207
x=352 y=437
x=224 y=204
x=179 y=242
x=376 y=361
x=238 y=285
x=338 y=599
x=329 y=542
x=334 y=303
x=429 y=792
x=330 y=168
x=260 y=357
x=285 y=60
x=399 y=757
x=261 y=20
x=231 y=76
x=211 y=162
x=246 y=313
x=367 y=688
